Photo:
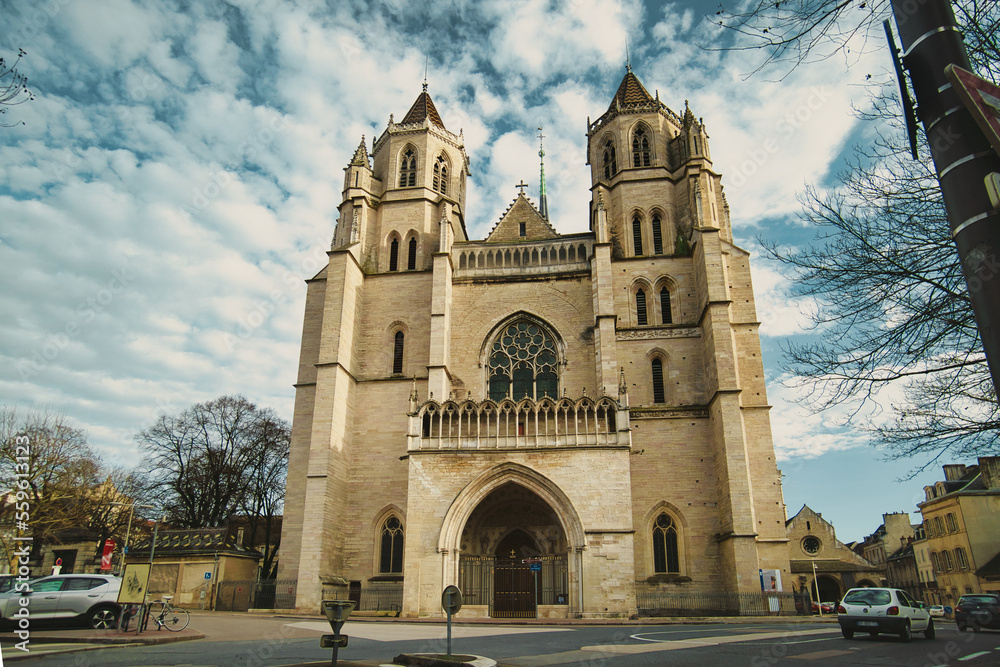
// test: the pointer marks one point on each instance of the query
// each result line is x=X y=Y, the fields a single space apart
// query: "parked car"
x=875 y=610
x=936 y=611
x=828 y=607
x=978 y=611
x=86 y=597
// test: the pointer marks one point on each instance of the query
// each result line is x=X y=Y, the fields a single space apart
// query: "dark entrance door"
x=513 y=580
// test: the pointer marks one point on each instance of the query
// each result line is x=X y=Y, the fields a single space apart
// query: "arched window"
x=640 y=308
x=610 y=161
x=394 y=255
x=640 y=147
x=665 y=555
x=667 y=316
x=408 y=169
x=397 y=353
x=523 y=363
x=658 y=394
x=441 y=175
x=411 y=255
x=657 y=235
x=637 y=235
x=391 y=556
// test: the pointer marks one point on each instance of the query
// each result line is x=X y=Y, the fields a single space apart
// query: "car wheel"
x=907 y=633
x=929 y=632
x=848 y=634
x=103 y=618
x=962 y=627
x=873 y=633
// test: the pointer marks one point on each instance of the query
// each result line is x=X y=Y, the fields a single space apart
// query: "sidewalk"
x=66 y=640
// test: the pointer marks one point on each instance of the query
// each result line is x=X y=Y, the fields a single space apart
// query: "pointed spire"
x=631 y=93
x=360 y=158
x=543 y=203
x=628 y=58
x=423 y=109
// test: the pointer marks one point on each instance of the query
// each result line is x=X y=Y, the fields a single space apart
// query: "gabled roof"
x=991 y=569
x=508 y=229
x=631 y=92
x=421 y=109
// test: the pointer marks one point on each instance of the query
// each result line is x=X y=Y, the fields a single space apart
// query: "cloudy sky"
x=179 y=173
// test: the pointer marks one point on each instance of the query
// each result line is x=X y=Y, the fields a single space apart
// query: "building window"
x=610 y=161
x=522 y=229
x=961 y=560
x=523 y=363
x=408 y=169
x=665 y=312
x=657 y=236
x=946 y=561
x=637 y=235
x=640 y=147
x=441 y=175
x=394 y=255
x=658 y=394
x=397 y=353
x=411 y=256
x=952 y=524
x=811 y=545
x=935 y=562
x=665 y=555
x=938 y=526
x=391 y=561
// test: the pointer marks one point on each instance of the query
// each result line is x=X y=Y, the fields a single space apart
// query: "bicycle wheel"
x=176 y=620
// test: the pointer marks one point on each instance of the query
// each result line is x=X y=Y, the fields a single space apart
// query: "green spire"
x=543 y=204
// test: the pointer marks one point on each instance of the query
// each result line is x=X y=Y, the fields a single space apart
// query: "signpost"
x=336 y=612
x=451 y=602
x=536 y=567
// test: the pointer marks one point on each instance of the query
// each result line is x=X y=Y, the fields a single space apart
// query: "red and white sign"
x=109 y=548
x=981 y=98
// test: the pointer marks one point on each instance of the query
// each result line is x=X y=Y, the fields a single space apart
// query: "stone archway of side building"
x=829 y=589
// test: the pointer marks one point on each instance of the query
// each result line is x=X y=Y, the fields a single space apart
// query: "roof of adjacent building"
x=422 y=109
x=991 y=569
x=189 y=541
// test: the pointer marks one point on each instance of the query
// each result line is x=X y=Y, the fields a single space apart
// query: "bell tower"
x=394 y=207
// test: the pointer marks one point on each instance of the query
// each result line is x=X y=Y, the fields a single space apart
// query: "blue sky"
x=179 y=173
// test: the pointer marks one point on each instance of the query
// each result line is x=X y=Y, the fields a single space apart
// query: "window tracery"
x=523 y=363
x=666 y=557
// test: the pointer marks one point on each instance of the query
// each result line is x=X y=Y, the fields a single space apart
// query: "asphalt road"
x=247 y=641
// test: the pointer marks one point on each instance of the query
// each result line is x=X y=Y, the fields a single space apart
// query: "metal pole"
x=819 y=603
x=449 y=626
x=962 y=156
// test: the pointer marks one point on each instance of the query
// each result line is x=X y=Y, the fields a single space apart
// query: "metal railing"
x=663 y=603
x=241 y=595
x=380 y=597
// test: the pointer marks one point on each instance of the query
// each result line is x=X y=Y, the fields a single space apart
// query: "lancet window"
x=441 y=175
x=391 y=557
x=610 y=160
x=640 y=147
x=408 y=169
x=665 y=553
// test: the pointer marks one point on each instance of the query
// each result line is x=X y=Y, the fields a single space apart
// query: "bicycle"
x=170 y=618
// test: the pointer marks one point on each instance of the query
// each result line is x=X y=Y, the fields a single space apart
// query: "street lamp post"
x=128 y=529
x=819 y=602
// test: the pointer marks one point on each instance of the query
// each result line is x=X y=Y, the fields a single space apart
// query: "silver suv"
x=89 y=597
x=875 y=610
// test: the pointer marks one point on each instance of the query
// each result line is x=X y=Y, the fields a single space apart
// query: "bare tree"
x=216 y=460
x=50 y=470
x=894 y=316
x=13 y=86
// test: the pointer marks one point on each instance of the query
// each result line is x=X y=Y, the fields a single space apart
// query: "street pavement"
x=242 y=640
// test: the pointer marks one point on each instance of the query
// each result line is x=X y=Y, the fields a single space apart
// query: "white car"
x=875 y=610
x=88 y=597
x=936 y=611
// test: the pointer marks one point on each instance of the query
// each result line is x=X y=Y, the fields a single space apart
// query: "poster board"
x=134 y=583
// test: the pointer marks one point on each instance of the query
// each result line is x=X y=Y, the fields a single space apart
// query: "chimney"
x=953 y=471
x=989 y=470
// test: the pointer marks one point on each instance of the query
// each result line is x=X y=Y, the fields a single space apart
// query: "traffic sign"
x=536 y=567
x=981 y=98
x=208 y=575
x=451 y=599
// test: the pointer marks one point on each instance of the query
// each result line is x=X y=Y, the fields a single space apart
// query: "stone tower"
x=588 y=409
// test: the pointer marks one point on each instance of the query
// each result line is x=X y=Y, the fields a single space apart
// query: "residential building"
x=962 y=526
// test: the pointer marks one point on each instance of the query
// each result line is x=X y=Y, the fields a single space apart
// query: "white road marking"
x=678 y=644
x=973 y=655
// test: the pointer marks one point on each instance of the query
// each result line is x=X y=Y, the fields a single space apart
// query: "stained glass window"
x=392 y=547
x=523 y=363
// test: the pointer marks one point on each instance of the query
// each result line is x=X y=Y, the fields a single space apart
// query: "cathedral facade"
x=557 y=423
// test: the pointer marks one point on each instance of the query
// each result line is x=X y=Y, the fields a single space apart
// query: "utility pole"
x=963 y=157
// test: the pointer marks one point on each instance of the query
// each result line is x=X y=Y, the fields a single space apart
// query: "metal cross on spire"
x=521 y=185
